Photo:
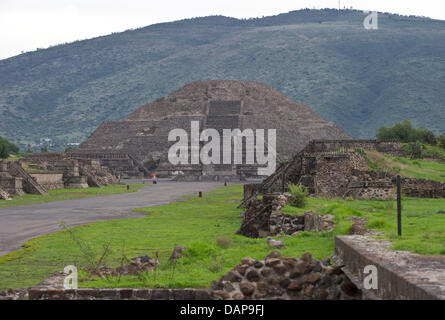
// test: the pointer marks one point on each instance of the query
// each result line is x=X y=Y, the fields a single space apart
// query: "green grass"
x=421 y=169
x=434 y=152
x=197 y=224
x=66 y=194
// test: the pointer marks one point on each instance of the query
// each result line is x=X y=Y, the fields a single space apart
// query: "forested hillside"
x=361 y=79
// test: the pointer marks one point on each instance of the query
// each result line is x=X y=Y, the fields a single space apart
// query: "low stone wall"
x=71 y=182
x=275 y=277
x=10 y=184
x=371 y=185
x=4 y=195
x=394 y=148
x=421 y=188
x=38 y=293
x=280 y=278
x=263 y=218
x=49 y=180
x=401 y=275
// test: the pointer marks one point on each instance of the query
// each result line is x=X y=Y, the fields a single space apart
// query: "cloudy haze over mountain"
x=30 y=24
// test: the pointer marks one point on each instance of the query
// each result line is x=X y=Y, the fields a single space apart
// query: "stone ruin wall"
x=280 y=278
x=273 y=278
x=10 y=185
x=402 y=275
x=394 y=148
x=337 y=169
x=51 y=171
x=421 y=188
x=49 y=180
x=76 y=172
x=263 y=218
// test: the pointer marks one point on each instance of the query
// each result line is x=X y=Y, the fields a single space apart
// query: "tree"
x=426 y=136
x=441 y=140
x=6 y=148
x=4 y=151
x=405 y=132
x=413 y=150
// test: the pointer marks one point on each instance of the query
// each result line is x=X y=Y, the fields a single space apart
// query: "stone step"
x=30 y=185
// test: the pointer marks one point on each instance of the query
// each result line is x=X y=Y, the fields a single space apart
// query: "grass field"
x=65 y=194
x=421 y=169
x=435 y=152
x=197 y=223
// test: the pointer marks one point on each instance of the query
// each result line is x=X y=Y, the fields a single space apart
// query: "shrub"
x=413 y=150
x=216 y=265
x=224 y=242
x=441 y=140
x=6 y=148
x=4 y=151
x=298 y=195
x=405 y=132
x=426 y=136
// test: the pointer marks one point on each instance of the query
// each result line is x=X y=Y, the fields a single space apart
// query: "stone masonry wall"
x=421 y=188
x=401 y=275
x=263 y=218
x=280 y=278
x=38 y=293
x=49 y=180
x=274 y=278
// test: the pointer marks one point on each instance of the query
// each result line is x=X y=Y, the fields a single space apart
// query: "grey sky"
x=29 y=24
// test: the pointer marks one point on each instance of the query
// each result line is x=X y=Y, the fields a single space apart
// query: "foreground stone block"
x=401 y=275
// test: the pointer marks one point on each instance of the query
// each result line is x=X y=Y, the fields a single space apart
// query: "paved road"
x=20 y=224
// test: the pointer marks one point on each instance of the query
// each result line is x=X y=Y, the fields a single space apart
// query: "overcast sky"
x=29 y=24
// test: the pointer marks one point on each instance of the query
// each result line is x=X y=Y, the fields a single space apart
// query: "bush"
x=4 y=151
x=413 y=150
x=441 y=140
x=298 y=195
x=224 y=242
x=426 y=136
x=405 y=132
x=6 y=148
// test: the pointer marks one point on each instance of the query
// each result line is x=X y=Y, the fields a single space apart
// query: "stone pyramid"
x=217 y=104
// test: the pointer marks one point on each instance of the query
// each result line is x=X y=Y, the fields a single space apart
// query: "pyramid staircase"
x=29 y=184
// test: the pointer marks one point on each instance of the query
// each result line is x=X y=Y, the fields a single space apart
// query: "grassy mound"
x=421 y=169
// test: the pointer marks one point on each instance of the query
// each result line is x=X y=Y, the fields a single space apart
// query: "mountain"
x=360 y=79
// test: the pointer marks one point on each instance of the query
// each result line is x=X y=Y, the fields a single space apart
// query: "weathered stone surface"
x=401 y=274
x=216 y=104
x=287 y=278
x=260 y=220
x=252 y=275
x=247 y=288
x=248 y=260
x=339 y=169
x=274 y=254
